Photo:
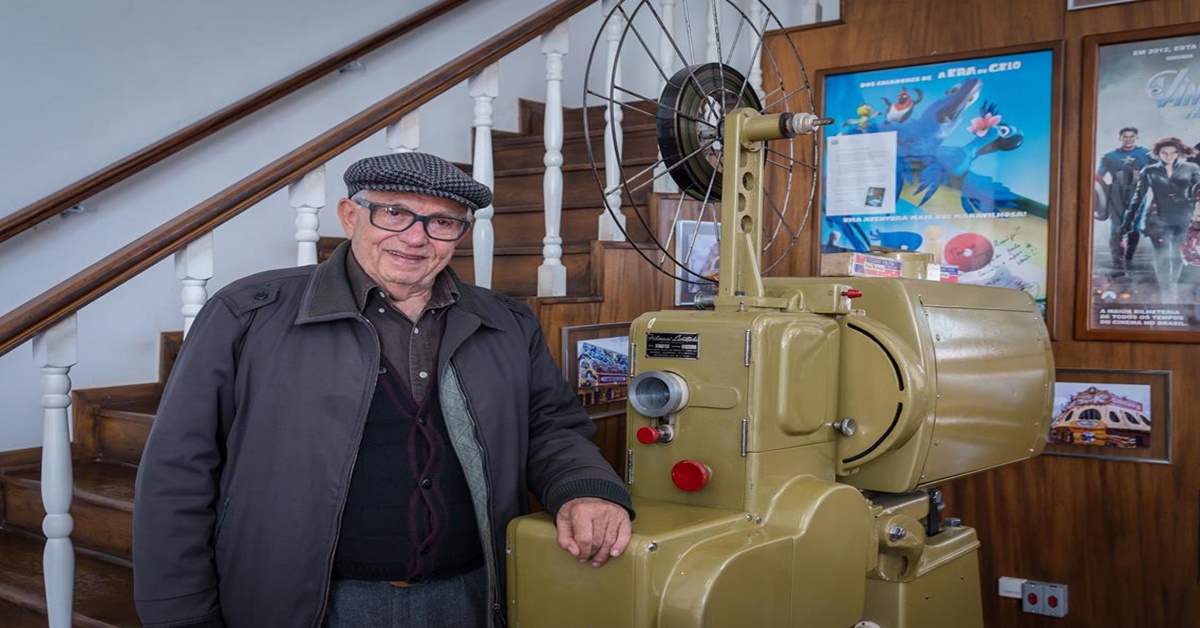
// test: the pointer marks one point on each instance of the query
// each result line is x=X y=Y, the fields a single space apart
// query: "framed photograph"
x=697 y=247
x=1113 y=414
x=1139 y=248
x=595 y=362
x=1075 y=5
x=953 y=156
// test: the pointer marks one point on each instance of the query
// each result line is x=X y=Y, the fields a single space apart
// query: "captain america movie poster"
x=949 y=158
x=1145 y=241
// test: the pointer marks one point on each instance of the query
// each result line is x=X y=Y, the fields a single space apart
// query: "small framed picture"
x=595 y=363
x=697 y=259
x=1112 y=414
x=1075 y=5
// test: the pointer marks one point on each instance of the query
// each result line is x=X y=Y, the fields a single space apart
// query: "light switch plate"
x=1011 y=587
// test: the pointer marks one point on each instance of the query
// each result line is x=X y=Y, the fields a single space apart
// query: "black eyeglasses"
x=399 y=219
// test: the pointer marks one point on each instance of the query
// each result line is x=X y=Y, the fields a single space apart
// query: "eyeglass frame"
x=424 y=220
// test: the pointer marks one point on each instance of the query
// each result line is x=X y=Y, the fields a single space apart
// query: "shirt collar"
x=444 y=293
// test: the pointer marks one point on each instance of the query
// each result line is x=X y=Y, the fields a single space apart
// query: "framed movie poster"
x=1139 y=186
x=595 y=363
x=1113 y=414
x=952 y=156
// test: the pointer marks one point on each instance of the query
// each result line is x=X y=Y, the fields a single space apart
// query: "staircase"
x=110 y=430
x=111 y=424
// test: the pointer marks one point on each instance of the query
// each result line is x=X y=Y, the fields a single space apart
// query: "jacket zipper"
x=365 y=408
x=495 y=617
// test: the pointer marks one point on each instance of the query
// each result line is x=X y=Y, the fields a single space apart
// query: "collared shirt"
x=410 y=345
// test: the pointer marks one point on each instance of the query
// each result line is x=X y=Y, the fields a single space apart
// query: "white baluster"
x=484 y=87
x=711 y=28
x=307 y=196
x=810 y=12
x=552 y=275
x=756 y=48
x=404 y=136
x=612 y=221
x=193 y=269
x=663 y=183
x=54 y=352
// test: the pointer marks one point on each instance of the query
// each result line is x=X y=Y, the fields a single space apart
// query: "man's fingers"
x=593 y=530
x=624 y=533
x=583 y=536
x=566 y=539
x=606 y=542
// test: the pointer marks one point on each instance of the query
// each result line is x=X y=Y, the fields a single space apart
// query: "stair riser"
x=517 y=274
x=527 y=188
x=640 y=144
x=122 y=438
x=99 y=527
x=15 y=616
x=573 y=117
x=528 y=228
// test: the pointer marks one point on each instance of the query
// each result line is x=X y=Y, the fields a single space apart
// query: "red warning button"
x=647 y=435
x=690 y=475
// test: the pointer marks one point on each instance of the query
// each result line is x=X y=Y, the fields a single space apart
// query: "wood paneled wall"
x=1124 y=536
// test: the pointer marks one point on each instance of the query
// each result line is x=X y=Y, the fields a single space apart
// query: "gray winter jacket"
x=242 y=482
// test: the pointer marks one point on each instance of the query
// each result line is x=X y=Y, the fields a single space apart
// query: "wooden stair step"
x=123 y=433
x=525 y=225
x=534 y=116
x=114 y=422
x=524 y=186
x=529 y=151
x=102 y=504
x=103 y=589
x=13 y=615
x=514 y=269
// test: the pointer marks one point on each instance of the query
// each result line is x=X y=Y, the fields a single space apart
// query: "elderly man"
x=344 y=444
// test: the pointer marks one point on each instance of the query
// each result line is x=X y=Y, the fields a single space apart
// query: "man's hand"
x=592 y=529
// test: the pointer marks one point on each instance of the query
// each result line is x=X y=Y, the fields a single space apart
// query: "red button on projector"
x=690 y=475
x=648 y=435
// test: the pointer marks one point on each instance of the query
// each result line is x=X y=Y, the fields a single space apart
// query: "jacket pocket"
x=221 y=514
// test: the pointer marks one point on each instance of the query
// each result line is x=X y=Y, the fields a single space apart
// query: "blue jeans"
x=455 y=602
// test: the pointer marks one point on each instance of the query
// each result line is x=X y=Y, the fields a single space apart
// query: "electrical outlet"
x=1033 y=597
x=1055 y=600
x=1043 y=598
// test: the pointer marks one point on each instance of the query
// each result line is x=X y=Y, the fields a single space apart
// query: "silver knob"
x=846 y=426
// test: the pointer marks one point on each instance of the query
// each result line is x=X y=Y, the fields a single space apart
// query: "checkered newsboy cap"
x=416 y=173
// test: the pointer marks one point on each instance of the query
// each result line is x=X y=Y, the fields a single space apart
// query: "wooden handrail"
x=118 y=171
x=68 y=297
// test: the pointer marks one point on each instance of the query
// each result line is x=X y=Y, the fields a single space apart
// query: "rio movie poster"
x=951 y=159
x=1145 y=258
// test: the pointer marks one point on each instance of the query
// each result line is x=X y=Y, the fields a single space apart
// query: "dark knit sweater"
x=408 y=514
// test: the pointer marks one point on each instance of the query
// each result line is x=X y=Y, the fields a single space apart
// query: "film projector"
x=786 y=438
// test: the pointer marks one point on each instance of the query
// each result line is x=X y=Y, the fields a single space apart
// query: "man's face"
x=403 y=263
x=1129 y=139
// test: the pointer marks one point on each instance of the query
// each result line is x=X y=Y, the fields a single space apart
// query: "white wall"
x=89 y=82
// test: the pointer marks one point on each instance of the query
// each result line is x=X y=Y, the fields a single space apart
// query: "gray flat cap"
x=416 y=173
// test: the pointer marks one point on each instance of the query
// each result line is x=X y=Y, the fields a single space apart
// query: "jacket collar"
x=329 y=296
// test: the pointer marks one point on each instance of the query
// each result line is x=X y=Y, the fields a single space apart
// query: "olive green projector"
x=785 y=445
